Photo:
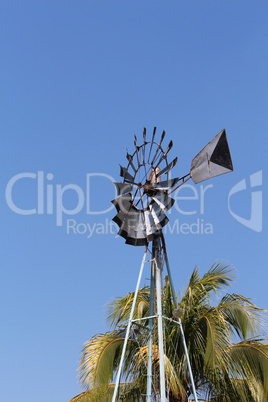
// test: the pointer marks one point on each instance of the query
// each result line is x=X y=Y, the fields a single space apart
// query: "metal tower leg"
x=160 y=321
x=128 y=328
x=179 y=320
x=150 y=327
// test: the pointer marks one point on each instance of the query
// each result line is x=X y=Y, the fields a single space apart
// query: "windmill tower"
x=142 y=203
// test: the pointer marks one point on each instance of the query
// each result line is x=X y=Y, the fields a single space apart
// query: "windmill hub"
x=148 y=189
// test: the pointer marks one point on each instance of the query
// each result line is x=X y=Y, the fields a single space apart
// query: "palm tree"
x=229 y=357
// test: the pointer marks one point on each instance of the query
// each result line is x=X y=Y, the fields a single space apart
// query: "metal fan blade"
x=135 y=141
x=166 y=185
x=160 y=219
x=136 y=242
x=152 y=142
x=121 y=216
x=136 y=231
x=137 y=149
x=159 y=145
x=165 y=202
x=162 y=137
x=121 y=202
x=129 y=158
x=157 y=224
x=123 y=188
x=124 y=228
x=144 y=135
x=168 y=168
x=127 y=176
x=133 y=227
x=149 y=224
x=170 y=145
x=144 y=142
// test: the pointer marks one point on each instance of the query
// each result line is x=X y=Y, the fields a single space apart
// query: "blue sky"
x=78 y=79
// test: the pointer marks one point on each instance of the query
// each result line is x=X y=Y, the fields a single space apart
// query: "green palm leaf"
x=100 y=357
x=118 y=311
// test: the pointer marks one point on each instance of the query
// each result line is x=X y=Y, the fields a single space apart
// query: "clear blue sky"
x=78 y=79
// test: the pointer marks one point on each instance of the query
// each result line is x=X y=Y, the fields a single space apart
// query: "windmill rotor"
x=143 y=199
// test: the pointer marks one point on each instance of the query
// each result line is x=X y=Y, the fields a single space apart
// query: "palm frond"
x=244 y=318
x=251 y=358
x=127 y=391
x=173 y=381
x=200 y=289
x=100 y=357
x=118 y=310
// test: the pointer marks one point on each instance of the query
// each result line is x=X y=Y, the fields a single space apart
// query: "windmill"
x=142 y=203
